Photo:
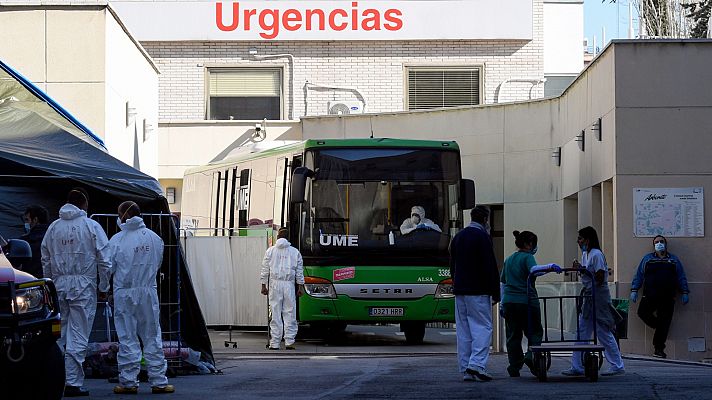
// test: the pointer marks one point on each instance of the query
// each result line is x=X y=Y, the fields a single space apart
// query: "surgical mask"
x=583 y=247
x=118 y=221
x=415 y=219
x=27 y=227
x=660 y=246
x=534 y=250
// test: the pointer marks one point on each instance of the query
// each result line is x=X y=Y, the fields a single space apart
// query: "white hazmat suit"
x=136 y=254
x=417 y=220
x=74 y=250
x=282 y=267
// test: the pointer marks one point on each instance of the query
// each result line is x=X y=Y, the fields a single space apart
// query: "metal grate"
x=443 y=87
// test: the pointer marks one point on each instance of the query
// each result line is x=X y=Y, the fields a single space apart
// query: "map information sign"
x=672 y=212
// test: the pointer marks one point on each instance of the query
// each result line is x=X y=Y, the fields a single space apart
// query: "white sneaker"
x=481 y=374
x=572 y=372
x=613 y=372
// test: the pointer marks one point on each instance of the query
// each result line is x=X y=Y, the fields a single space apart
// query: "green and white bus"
x=344 y=202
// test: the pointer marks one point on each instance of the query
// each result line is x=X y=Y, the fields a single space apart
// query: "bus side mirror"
x=467 y=194
x=299 y=184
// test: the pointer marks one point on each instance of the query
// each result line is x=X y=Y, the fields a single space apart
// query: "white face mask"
x=660 y=246
x=118 y=221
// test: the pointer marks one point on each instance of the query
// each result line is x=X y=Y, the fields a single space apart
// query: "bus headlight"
x=445 y=290
x=319 y=287
x=29 y=300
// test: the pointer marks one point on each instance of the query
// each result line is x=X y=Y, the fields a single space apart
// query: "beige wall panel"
x=487 y=171
x=601 y=83
x=654 y=73
x=186 y=145
x=603 y=152
x=529 y=177
x=656 y=141
x=528 y=126
x=75 y=46
x=480 y=144
x=24 y=26
x=544 y=219
x=83 y=100
x=570 y=167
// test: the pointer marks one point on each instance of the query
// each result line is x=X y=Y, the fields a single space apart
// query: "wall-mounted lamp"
x=597 y=129
x=556 y=156
x=130 y=113
x=146 y=129
x=581 y=140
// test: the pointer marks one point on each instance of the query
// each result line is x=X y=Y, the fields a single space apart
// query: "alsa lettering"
x=339 y=240
x=271 y=21
x=425 y=279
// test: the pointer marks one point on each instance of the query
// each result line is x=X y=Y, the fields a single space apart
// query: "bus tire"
x=414 y=331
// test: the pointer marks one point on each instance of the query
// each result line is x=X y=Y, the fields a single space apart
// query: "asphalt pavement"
x=373 y=362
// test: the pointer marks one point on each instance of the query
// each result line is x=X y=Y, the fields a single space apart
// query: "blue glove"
x=555 y=268
x=685 y=298
x=634 y=297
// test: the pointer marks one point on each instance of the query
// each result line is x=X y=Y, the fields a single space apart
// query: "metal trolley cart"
x=592 y=352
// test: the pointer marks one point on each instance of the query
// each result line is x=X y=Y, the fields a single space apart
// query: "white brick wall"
x=376 y=69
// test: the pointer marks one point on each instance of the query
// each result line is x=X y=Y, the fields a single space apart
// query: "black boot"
x=75 y=391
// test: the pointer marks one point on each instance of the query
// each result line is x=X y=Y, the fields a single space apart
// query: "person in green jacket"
x=515 y=304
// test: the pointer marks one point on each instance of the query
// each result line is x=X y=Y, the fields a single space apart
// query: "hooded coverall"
x=72 y=249
x=417 y=220
x=282 y=267
x=137 y=253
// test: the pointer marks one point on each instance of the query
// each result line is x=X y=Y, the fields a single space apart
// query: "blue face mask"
x=583 y=247
x=660 y=246
x=27 y=227
x=118 y=221
x=534 y=250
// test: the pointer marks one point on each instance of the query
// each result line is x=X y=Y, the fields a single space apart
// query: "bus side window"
x=243 y=198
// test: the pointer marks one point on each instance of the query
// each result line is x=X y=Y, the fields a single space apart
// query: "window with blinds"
x=443 y=87
x=245 y=93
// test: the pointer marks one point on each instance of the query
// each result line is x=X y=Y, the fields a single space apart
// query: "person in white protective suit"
x=136 y=256
x=282 y=268
x=74 y=250
x=417 y=220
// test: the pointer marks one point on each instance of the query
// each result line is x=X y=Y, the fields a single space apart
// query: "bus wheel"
x=414 y=331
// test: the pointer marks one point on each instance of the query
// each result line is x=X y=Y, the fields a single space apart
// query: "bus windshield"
x=376 y=206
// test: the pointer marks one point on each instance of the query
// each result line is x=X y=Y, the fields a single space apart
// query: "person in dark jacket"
x=473 y=268
x=661 y=276
x=36 y=223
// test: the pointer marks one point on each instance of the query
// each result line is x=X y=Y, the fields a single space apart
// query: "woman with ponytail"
x=516 y=306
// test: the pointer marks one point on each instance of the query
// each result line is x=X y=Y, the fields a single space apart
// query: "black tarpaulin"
x=45 y=151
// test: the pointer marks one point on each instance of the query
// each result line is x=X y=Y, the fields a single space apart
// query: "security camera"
x=258 y=127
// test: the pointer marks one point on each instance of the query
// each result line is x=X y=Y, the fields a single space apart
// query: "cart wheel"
x=593 y=368
x=548 y=361
x=540 y=360
x=226 y=344
x=234 y=346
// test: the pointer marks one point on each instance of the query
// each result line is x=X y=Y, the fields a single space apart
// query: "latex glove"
x=634 y=297
x=501 y=310
x=685 y=298
x=542 y=269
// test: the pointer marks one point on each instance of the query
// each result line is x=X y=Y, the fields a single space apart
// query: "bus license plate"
x=385 y=312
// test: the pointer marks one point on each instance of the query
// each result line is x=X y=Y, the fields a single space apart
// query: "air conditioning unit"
x=345 y=107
